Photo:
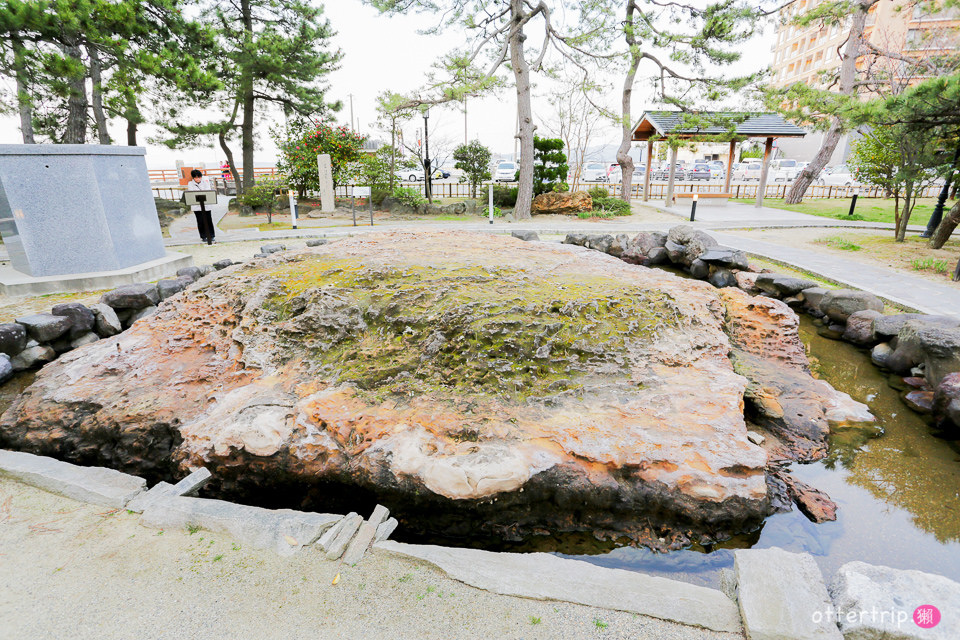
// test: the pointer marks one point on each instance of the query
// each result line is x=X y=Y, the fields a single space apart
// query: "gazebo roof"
x=762 y=125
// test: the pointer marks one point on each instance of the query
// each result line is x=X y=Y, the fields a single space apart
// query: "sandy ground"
x=71 y=570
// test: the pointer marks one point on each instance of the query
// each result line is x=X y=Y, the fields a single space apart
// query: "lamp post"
x=426 y=158
x=853 y=201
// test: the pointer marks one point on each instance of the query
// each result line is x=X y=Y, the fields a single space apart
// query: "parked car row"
x=416 y=174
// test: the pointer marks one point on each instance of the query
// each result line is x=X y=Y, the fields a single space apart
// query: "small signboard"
x=192 y=197
x=361 y=192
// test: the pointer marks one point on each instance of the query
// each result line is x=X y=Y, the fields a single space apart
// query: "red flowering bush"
x=298 y=155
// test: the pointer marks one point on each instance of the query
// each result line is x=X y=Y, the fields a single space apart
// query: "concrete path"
x=184 y=228
x=902 y=288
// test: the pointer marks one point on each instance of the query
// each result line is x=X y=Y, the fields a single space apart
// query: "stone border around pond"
x=777 y=594
x=922 y=350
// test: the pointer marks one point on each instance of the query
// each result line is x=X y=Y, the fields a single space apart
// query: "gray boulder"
x=80 y=316
x=579 y=239
x=721 y=278
x=62 y=345
x=45 y=327
x=171 y=286
x=621 y=242
x=860 y=327
x=32 y=357
x=946 y=401
x=699 y=269
x=106 y=321
x=887 y=327
x=599 y=242
x=81 y=340
x=840 y=304
x=206 y=269
x=927 y=343
x=6 y=369
x=226 y=262
x=657 y=255
x=132 y=296
x=685 y=244
x=272 y=248
x=13 y=338
x=880 y=354
x=724 y=257
x=193 y=273
x=871 y=591
x=780 y=285
x=812 y=297
x=526 y=236
x=644 y=242
x=142 y=313
x=317 y=242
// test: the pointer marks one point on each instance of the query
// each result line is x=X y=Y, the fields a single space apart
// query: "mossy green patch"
x=463 y=330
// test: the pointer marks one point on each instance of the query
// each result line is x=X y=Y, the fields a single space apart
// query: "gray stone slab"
x=386 y=529
x=334 y=531
x=190 y=485
x=880 y=603
x=360 y=543
x=144 y=499
x=380 y=513
x=782 y=596
x=338 y=544
x=542 y=576
x=96 y=485
x=284 y=530
x=68 y=209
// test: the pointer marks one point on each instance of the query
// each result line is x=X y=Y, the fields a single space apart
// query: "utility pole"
x=351 y=112
x=464 y=119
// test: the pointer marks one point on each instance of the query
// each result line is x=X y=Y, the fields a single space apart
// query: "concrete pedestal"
x=73 y=209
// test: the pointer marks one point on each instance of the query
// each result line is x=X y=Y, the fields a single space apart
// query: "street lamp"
x=426 y=158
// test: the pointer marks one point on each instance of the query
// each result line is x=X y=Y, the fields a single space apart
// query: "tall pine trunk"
x=521 y=73
x=24 y=101
x=946 y=227
x=247 y=100
x=848 y=76
x=76 y=129
x=626 y=124
x=131 y=132
x=96 y=95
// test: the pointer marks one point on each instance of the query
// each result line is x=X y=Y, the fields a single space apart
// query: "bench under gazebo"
x=658 y=125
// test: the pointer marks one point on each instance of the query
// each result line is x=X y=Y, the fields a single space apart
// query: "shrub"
x=409 y=196
x=378 y=195
x=263 y=195
x=497 y=213
x=505 y=196
x=598 y=193
x=612 y=206
x=561 y=187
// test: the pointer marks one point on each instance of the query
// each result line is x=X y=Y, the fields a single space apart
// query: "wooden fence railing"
x=173 y=175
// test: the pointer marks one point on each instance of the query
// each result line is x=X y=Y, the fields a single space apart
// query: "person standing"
x=204 y=221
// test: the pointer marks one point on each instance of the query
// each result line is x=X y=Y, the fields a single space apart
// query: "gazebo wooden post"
x=767 y=149
x=646 y=173
x=673 y=171
x=726 y=181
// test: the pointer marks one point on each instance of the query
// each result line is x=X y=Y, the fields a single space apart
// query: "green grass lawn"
x=868 y=209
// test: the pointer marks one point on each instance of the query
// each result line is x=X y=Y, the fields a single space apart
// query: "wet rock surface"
x=495 y=384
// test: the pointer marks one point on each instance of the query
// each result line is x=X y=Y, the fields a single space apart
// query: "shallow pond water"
x=898 y=493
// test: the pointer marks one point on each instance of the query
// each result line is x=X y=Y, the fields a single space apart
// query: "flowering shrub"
x=299 y=152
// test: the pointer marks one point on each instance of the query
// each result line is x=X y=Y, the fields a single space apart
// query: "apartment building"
x=811 y=54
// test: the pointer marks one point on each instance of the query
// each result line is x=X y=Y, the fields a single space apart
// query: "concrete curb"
x=96 y=485
x=542 y=576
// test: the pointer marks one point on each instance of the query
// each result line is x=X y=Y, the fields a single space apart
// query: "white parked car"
x=505 y=172
x=594 y=172
x=838 y=176
x=717 y=169
x=752 y=171
x=410 y=175
x=785 y=170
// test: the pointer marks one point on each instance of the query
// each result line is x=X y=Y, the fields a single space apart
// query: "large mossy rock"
x=471 y=382
x=563 y=203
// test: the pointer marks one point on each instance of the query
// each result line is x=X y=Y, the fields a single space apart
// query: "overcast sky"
x=386 y=53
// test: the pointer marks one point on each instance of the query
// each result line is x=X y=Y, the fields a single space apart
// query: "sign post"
x=361 y=192
x=293 y=208
x=490 y=206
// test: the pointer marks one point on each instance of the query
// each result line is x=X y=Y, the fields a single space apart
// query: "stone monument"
x=79 y=209
x=325 y=169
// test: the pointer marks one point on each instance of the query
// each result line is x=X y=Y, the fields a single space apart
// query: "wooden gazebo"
x=664 y=124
